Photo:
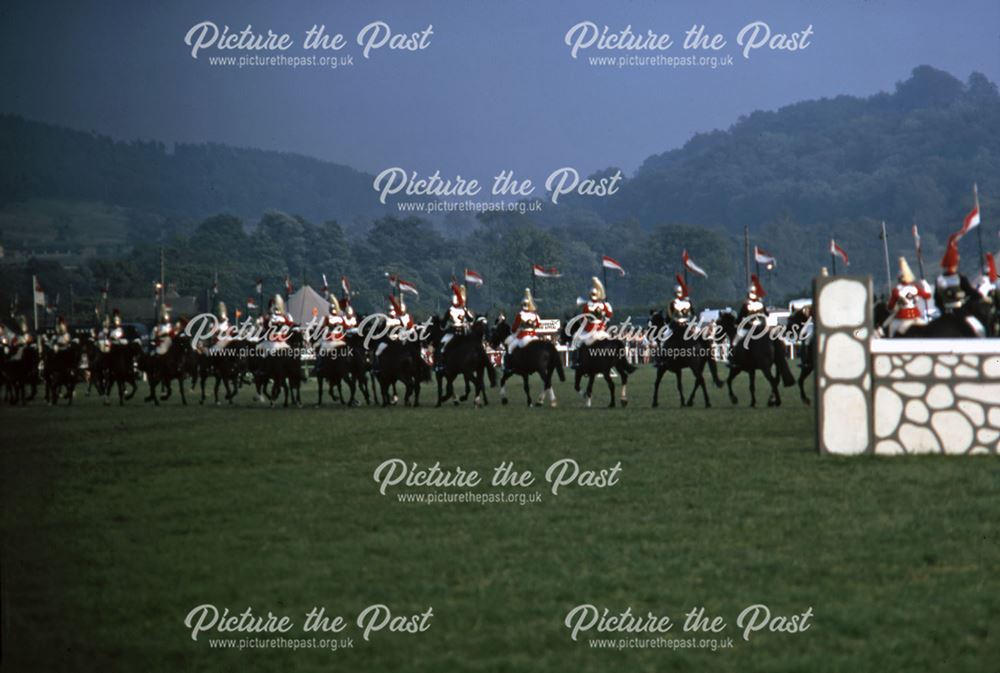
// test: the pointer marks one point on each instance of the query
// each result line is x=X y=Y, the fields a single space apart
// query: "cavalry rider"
x=223 y=330
x=163 y=333
x=681 y=309
x=597 y=312
x=989 y=282
x=904 y=302
x=334 y=327
x=350 y=318
x=22 y=339
x=399 y=325
x=63 y=339
x=459 y=316
x=952 y=289
x=116 y=334
x=525 y=325
x=278 y=326
x=753 y=309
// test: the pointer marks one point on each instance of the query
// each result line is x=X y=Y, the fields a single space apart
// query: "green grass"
x=117 y=522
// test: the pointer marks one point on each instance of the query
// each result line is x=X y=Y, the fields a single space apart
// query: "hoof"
x=656 y=404
x=733 y=399
x=503 y=401
x=624 y=403
x=455 y=403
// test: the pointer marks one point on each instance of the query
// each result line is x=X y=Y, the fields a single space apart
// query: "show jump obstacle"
x=898 y=396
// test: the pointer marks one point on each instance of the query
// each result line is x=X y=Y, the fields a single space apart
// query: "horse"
x=161 y=370
x=537 y=357
x=283 y=368
x=61 y=369
x=226 y=365
x=402 y=362
x=955 y=324
x=464 y=355
x=800 y=322
x=21 y=371
x=349 y=363
x=117 y=369
x=598 y=359
x=679 y=351
x=752 y=354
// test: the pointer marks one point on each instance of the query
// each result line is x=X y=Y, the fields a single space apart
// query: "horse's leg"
x=577 y=377
x=624 y=393
x=775 y=380
x=588 y=394
x=319 y=388
x=803 y=375
x=733 y=371
x=385 y=393
x=700 y=373
x=680 y=384
x=180 y=388
x=656 y=386
x=503 y=387
x=611 y=389
x=527 y=388
x=440 y=384
x=753 y=387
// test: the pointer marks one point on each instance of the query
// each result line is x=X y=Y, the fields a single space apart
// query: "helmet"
x=752 y=293
x=457 y=295
x=279 y=304
x=528 y=303
x=597 y=290
x=334 y=306
x=905 y=274
x=678 y=291
x=61 y=326
x=164 y=313
x=117 y=318
x=222 y=311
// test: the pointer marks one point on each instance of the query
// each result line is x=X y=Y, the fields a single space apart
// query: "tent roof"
x=300 y=305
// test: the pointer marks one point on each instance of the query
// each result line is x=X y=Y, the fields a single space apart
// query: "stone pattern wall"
x=937 y=403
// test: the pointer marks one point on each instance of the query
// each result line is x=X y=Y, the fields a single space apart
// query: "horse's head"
x=657 y=319
x=727 y=321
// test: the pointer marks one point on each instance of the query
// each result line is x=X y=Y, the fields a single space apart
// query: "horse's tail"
x=558 y=364
x=784 y=371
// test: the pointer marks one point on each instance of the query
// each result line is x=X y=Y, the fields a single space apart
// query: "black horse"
x=957 y=324
x=400 y=362
x=163 y=369
x=538 y=357
x=21 y=372
x=61 y=370
x=800 y=323
x=676 y=350
x=226 y=365
x=283 y=369
x=347 y=362
x=117 y=369
x=599 y=359
x=751 y=355
x=465 y=355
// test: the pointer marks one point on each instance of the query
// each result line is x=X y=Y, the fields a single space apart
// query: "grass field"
x=117 y=522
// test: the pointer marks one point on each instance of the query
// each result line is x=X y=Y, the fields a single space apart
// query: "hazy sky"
x=495 y=88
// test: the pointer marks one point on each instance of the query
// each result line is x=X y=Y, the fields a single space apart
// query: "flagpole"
x=885 y=251
x=979 y=227
x=833 y=261
x=34 y=299
x=746 y=253
x=605 y=270
x=920 y=256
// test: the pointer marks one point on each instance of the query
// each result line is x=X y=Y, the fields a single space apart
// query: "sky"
x=494 y=88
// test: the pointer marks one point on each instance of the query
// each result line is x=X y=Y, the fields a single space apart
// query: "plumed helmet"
x=905 y=273
x=117 y=318
x=61 y=326
x=950 y=260
x=528 y=303
x=457 y=295
x=279 y=304
x=334 y=306
x=222 y=310
x=22 y=322
x=678 y=290
x=596 y=290
x=751 y=293
x=164 y=312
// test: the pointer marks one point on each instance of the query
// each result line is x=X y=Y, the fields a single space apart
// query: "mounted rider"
x=681 y=308
x=753 y=310
x=334 y=327
x=526 y=324
x=223 y=329
x=951 y=289
x=597 y=312
x=989 y=281
x=460 y=318
x=904 y=303
x=399 y=325
x=278 y=327
x=62 y=339
x=21 y=340
x=163 y=333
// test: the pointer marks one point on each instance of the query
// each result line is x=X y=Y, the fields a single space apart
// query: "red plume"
x=758 y=288
x=991 y=266
x=950 y=259
x=680 y=281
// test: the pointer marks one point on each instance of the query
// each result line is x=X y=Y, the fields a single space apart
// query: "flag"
x=972 y=219
x=326 y=287
x=473 y=278
x=916 y=239
x=345 y=285
x=404 y=285
x=39 y=294
x=839 y=251
x=251 y=304
x=541 y=272
x=761 y=256
x=611 y=263
x=260 y=286
x=691 y=266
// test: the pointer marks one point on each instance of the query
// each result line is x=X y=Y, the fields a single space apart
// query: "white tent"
x=300 y=305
